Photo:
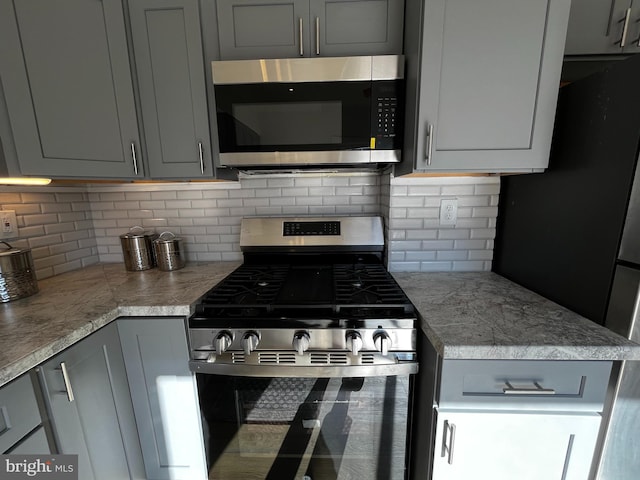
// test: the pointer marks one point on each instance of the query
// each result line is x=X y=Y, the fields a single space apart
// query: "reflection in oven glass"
x=305 y=429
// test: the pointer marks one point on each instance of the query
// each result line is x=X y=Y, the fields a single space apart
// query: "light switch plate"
x=448 y=211
x=8 y=224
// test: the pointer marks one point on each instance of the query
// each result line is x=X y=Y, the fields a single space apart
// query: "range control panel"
x=297 y=229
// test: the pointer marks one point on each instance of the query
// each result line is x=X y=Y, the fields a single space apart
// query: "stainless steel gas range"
x=305 y=355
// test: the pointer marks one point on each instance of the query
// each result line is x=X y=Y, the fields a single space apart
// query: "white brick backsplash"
x=69 y=227
x=55 y=207
x=413 y=210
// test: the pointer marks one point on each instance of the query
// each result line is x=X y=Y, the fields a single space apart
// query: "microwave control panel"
x=385 y=118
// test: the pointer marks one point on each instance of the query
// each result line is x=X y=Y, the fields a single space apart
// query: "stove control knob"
x=354 y=342
x=222 y=342
x=250 y=341
x=382 y=341
x=301 y=341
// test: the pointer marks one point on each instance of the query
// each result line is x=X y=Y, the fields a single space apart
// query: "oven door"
x=305 y=428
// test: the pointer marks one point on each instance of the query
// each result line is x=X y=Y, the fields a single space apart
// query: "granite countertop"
x=464 y=315
x=70 y=306
x=485 y=316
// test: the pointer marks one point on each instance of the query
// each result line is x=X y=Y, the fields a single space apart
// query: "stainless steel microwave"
x=309 y=111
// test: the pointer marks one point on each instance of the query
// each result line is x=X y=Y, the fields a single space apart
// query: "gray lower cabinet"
x=36 y=443
x=482 y=84
x=603 y=27
x=65 y=73
x=87 y=395
x=164 y=397
x=20 y=420
x=509 y=445
x=291 y=28
x=171 y=78
x=520 y=419
x=507 y=419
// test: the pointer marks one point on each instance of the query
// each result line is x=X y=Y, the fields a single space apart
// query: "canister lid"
x=138 y=232
x=12 y=250
x=167 y=237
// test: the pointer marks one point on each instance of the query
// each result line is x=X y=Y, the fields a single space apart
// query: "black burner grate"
x=354 y=290
x=249 y=286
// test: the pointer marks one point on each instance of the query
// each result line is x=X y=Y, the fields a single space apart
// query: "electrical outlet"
x=8 y=224
x=448 y=211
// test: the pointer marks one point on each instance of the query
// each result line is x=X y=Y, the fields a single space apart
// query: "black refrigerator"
x=572 y=234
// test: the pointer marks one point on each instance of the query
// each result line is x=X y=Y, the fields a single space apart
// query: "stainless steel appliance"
x=573 y=233
x=309 y=111
x=305 y=355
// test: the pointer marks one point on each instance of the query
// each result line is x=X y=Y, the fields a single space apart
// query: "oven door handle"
x=319 y=371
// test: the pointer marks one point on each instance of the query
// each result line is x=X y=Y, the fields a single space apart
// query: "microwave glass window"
x=295 y=123
x=294 y=117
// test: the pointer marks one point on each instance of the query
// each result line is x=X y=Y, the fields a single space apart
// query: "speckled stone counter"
x=464 y=315
x=72 y=305
x=485 y=316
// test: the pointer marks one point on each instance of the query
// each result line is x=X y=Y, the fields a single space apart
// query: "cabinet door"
x=356 y=27
x=596 y=27
x=504 y=446
x=19 y=413
x=263 y=28
x=170 y=66
x=164 y=397
x=34 y=444
x=487 y=84
x=65 y=72
x=87 y=394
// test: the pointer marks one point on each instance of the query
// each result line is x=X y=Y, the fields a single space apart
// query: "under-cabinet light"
x=24 y=181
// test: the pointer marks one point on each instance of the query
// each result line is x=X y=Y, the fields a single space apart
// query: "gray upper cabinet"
x=482 y=84
x=290 y=28
x=171 y=79
x=87 y=395
x=67 y=82
x=603 y=27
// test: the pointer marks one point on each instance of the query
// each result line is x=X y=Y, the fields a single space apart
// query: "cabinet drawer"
x=19 y=412
x=524 y=384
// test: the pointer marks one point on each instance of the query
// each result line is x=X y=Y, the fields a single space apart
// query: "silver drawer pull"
x=67 y=382
x=201 y=158
x=537 y=389
x=447 y=450
x=300 y=33
x=625 y=29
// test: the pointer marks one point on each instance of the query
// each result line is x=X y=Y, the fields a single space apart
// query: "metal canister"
x=17 y=274
x=168 y=251
x=137 y=249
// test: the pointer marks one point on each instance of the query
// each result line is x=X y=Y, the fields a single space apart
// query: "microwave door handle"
x=300 y=33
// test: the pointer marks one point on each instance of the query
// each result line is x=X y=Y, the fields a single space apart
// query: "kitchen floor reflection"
x=305 y=429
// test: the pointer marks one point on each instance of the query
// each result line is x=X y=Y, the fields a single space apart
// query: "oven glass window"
x=305 y=428
x=294 y=116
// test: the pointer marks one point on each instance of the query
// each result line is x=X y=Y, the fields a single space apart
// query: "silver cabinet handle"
x=67 y=382
x=447 y=450
x=317 y=35
x=134 y=157
x=537 y=389
x=625 y=28
x=429 y=149
x=201 y=156
x=300 y=35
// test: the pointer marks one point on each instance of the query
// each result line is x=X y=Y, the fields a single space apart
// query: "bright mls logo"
x=51 y=467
